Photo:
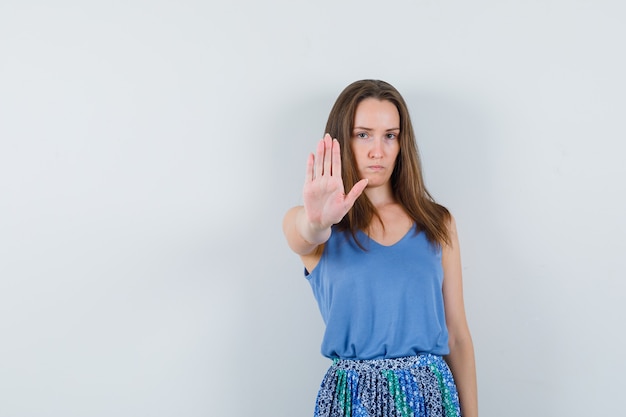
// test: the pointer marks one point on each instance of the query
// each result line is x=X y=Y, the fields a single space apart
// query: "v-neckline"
x=404 y=236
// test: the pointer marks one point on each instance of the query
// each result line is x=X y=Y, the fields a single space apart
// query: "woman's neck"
x=380 y=196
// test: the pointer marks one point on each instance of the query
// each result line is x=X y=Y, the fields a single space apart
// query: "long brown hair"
x=407 y=181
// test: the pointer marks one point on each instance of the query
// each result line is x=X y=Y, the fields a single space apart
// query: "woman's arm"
x=461 y=357
x=301 y=235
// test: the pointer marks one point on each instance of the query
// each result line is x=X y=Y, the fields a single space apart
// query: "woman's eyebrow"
x=369 y=129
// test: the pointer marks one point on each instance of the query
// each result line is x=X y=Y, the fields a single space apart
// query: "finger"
x=355 y=192
x=310 y=166
x=319 y=159
x=328 y=146
x=336 y=167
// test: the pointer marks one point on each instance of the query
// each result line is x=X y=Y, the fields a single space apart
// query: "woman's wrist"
x=309 y=231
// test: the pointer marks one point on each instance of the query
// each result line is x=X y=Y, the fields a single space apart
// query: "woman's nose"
x=376 y=151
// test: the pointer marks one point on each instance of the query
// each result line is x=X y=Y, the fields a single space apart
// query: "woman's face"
x=375 y=140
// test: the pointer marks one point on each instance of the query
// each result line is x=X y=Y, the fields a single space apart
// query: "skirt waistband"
x=406 y=362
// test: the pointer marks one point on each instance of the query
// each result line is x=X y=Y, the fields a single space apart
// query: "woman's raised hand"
x=325 y=202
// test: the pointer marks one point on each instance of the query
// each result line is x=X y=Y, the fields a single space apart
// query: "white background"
x=149 y=149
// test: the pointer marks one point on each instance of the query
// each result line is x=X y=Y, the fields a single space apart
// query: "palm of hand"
x=325 y=201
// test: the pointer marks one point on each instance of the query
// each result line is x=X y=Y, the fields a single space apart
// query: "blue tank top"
x=384 y=302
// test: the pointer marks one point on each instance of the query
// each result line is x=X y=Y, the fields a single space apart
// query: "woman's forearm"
x=462 y=364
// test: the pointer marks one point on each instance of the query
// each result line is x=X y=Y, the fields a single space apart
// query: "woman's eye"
x=361 y=135
x=391 y=135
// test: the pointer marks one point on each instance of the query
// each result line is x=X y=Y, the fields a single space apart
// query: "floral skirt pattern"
x=414 y=386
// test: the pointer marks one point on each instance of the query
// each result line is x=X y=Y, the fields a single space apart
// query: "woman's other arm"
x=461 y=358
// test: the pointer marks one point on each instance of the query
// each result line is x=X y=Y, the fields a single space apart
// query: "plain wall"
x=149 y=149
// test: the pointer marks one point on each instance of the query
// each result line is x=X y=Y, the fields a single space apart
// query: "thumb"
x=356 y=191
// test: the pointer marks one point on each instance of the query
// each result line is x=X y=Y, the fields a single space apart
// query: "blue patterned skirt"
x=414 y=386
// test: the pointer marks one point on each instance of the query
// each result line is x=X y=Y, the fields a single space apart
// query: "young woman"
x=384 y=264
